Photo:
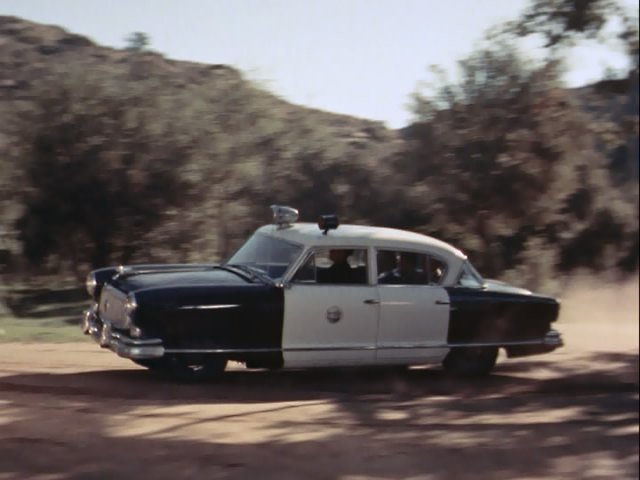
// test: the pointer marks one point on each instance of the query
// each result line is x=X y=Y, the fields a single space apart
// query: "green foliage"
x=98 y=173
x=562 y=23
x=137 y=41
x=507 y=168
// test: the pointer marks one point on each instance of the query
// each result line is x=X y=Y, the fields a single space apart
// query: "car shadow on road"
x=615 y=372
x=319 y=424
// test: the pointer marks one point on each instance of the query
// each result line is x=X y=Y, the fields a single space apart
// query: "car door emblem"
x=334 y=314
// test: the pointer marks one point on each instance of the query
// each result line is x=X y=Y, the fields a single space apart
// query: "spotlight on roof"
x=284 y=216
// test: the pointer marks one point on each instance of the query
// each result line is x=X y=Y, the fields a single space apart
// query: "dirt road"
x=73 y=411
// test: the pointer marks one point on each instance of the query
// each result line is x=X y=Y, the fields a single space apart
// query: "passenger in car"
x=436 y=271
x=405 y=273
x=340 y=271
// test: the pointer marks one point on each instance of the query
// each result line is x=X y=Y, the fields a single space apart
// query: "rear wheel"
x=471 y=361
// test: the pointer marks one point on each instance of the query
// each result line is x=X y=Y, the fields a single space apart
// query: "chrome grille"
x=112 y=306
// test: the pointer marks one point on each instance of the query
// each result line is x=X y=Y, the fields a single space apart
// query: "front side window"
x=334 y=266
x=409 y=268
x=272 y=256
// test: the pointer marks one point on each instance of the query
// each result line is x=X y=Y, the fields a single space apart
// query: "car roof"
x=309 y=234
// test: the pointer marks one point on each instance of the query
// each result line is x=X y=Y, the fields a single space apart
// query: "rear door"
x=414 y=308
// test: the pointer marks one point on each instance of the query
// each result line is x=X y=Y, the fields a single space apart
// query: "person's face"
x=405 y=264
x=337 y=255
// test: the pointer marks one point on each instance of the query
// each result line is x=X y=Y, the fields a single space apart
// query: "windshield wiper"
x=253 y=272
x=235 y=269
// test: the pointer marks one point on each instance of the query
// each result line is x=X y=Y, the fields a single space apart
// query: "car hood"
x=139 y=280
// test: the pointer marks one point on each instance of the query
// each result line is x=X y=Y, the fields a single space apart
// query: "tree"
x=563 y=23
x=503 y=164
x=137 y=41
x=99 y=175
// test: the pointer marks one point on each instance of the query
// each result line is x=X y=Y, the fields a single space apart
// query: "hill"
x=120 y=156
x=30 y=51
x=215 y=100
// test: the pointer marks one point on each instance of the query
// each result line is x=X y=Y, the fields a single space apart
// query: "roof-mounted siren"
x=328 y=222
x=283 y=216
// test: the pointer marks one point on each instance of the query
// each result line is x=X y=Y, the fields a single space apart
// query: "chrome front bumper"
x=123 y=345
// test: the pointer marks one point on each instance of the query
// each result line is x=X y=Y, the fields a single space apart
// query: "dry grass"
x=41 y=314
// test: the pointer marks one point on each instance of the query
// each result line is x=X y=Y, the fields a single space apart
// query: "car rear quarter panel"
x=486 y=316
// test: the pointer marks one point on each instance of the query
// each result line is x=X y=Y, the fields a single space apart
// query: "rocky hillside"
x=215 y=100
x=30 y=51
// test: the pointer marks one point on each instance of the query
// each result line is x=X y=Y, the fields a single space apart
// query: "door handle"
x=372 y=301
x=442 y=302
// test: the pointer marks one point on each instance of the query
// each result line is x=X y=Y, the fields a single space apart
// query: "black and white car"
x=299 y=295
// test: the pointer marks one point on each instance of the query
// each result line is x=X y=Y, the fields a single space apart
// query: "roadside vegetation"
x=41 y=314
x=123 y=156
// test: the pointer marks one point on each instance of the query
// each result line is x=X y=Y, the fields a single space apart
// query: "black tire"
x=471 y=361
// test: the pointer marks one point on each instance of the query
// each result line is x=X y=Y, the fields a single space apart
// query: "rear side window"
x=397 y=267
x=334 y=266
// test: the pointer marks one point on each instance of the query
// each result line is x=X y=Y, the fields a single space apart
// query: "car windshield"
x=470 y=277
x=270 y=255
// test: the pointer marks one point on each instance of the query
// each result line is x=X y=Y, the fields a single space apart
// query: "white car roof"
x=309 y=234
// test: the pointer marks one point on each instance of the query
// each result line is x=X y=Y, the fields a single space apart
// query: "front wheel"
x=471 y=361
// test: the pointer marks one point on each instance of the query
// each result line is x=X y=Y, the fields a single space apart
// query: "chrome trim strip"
x=222 y=350
x=330 y=349
x=207 y=307
x=406 y=346
x=359 y=348
x=266 y=350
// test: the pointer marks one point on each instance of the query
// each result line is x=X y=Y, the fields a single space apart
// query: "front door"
x=330 y=311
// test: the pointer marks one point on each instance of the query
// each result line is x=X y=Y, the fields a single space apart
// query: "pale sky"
x=359 y=57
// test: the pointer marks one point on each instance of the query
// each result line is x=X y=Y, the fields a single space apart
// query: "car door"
x=414 y=308
x=330 y=319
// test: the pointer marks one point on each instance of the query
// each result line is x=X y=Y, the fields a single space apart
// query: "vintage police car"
x=318 y=295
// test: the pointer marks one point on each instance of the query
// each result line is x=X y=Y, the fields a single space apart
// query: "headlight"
x=91 y=283
x=130 y=307
x=135 y=332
